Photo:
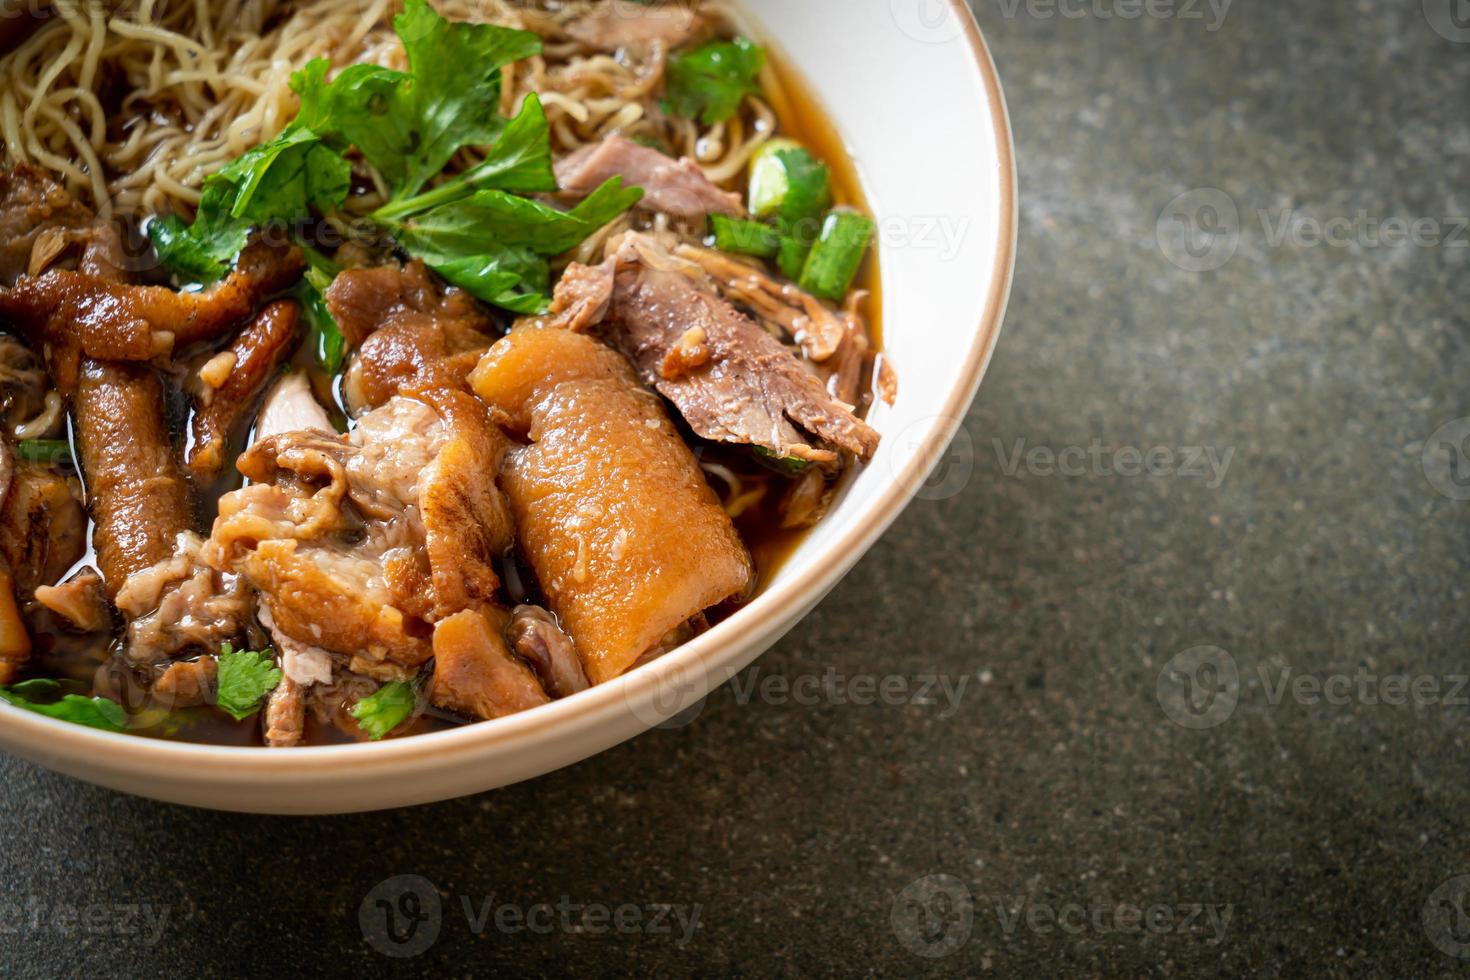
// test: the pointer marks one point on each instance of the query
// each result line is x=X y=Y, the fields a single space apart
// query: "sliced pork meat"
x=408 y=333
x=249 y=363
x=136 y=488
x=285 y=714
x=75 y=314
x=613 y=513
x=535 y=637
x=80 y=602
x=818 y=330
x=674 y=187
x=359 y=544
x=187 y=683
x=291 y=407
x=621 y=24
x=474 y=672
x=731 y=380
x=182 y=604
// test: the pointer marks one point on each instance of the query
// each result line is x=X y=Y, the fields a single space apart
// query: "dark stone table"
x=1213 y=717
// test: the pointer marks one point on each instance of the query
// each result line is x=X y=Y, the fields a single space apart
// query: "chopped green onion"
x=768 y=182
x=44 y=450
x=745 y=237
x=835 y=258
x=792 y=257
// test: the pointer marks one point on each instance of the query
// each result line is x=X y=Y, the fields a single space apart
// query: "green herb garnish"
x=91 y=712
x=390 y=706
x=245 y=678
x=710 y=82
x=473 y=229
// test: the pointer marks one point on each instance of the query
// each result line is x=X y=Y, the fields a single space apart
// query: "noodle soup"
x=422 y=365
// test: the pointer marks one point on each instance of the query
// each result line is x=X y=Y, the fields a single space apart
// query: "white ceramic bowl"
x=911 y=88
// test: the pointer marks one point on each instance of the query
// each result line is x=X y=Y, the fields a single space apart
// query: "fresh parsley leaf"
x=276 y=182
x=409 y=124
x=91 y=712
x=245 y=678
x=201 y=252
x=519 y=161
x=478 y=242
x=381 y=712
x=710 y=82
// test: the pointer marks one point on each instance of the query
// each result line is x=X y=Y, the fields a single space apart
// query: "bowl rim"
x=758 y=620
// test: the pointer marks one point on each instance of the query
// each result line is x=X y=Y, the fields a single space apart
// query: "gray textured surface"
x=1059 y=779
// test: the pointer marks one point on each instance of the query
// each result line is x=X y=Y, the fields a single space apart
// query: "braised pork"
x=613 y=513
x=621 y=24
x=674 y=187
x=360 y=544
x=731 y=380
x=408 y=333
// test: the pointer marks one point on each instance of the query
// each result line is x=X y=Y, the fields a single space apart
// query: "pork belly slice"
x=613 y=513
x=621 y=24
x=675 y=187
x=359 y=545
x=731 y=380
x=407 y=332
x=253 y=357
